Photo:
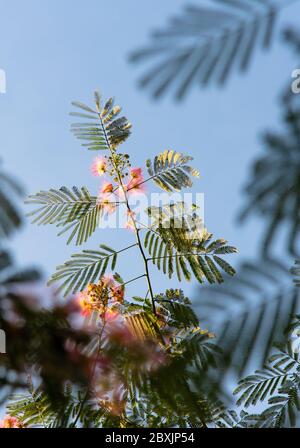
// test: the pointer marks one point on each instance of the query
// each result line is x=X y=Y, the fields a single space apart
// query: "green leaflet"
x=265 y=383
x=83 y=269
x=203 y=45
x=104 y=130
x=170 y=171
x=74 y=210
x=177 y=243
x=278 y=385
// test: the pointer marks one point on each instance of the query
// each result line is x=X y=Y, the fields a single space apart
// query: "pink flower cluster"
x=110 y=194
x=11 y=422
x=101 y=297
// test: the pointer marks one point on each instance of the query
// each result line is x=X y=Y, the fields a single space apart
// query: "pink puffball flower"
x=106 y=187
x=135 y=185
x=11 y=422
x=136 y=173
x=99 y=166
x=105 y=201
x=110 y=315
x=117 y=293
x=84 y=303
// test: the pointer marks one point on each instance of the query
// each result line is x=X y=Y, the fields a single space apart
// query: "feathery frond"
x=178 y=243
x=35 y=408
x=83 y=269
x=170 y=171
x=73 y=209
x=143 y=325
x=205 y=44
x=278 y=384
x=248 y=313
x=104 y=130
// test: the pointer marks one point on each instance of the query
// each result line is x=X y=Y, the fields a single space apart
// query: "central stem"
x=131 y=215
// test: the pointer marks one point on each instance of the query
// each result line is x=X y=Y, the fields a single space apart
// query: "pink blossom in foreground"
x=108 y=281
x=117 y=293
x=110 y=315
x=11 y=422
x=83 y=300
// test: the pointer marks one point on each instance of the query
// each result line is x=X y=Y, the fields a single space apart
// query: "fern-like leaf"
x=170 y=171
x=204 y=44
x=248 y=312
x=143 y=325
x=104 y=130
x=178 y=243
x=278 y=384
x=83 y=269
x=73 y=209
x=265 y=383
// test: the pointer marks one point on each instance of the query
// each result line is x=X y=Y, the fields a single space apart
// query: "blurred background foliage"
x=36 y=334
x=202 y=45
x=251 y=311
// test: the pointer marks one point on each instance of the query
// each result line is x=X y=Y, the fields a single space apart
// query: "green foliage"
x=248 y=312
x=278 y=384
x=74 y=210
x=178 y=243
x=155 y=398
x=104 y=129
x=35 y=408
x=205 y=44
x=133 y=346
x=178 y=309
x=37 y=337
x=170 y=171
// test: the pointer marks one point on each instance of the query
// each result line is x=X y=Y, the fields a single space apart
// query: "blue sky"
x=55 y=51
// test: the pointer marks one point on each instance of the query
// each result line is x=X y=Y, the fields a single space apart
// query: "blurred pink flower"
x=117 y=293
x=110 y=315
x=99 y=166
x=106 y=187
x=135 y=184
x=106 y=201
x=11 y=422
x=108 y=281
x=83 y=300
x=136 y=173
